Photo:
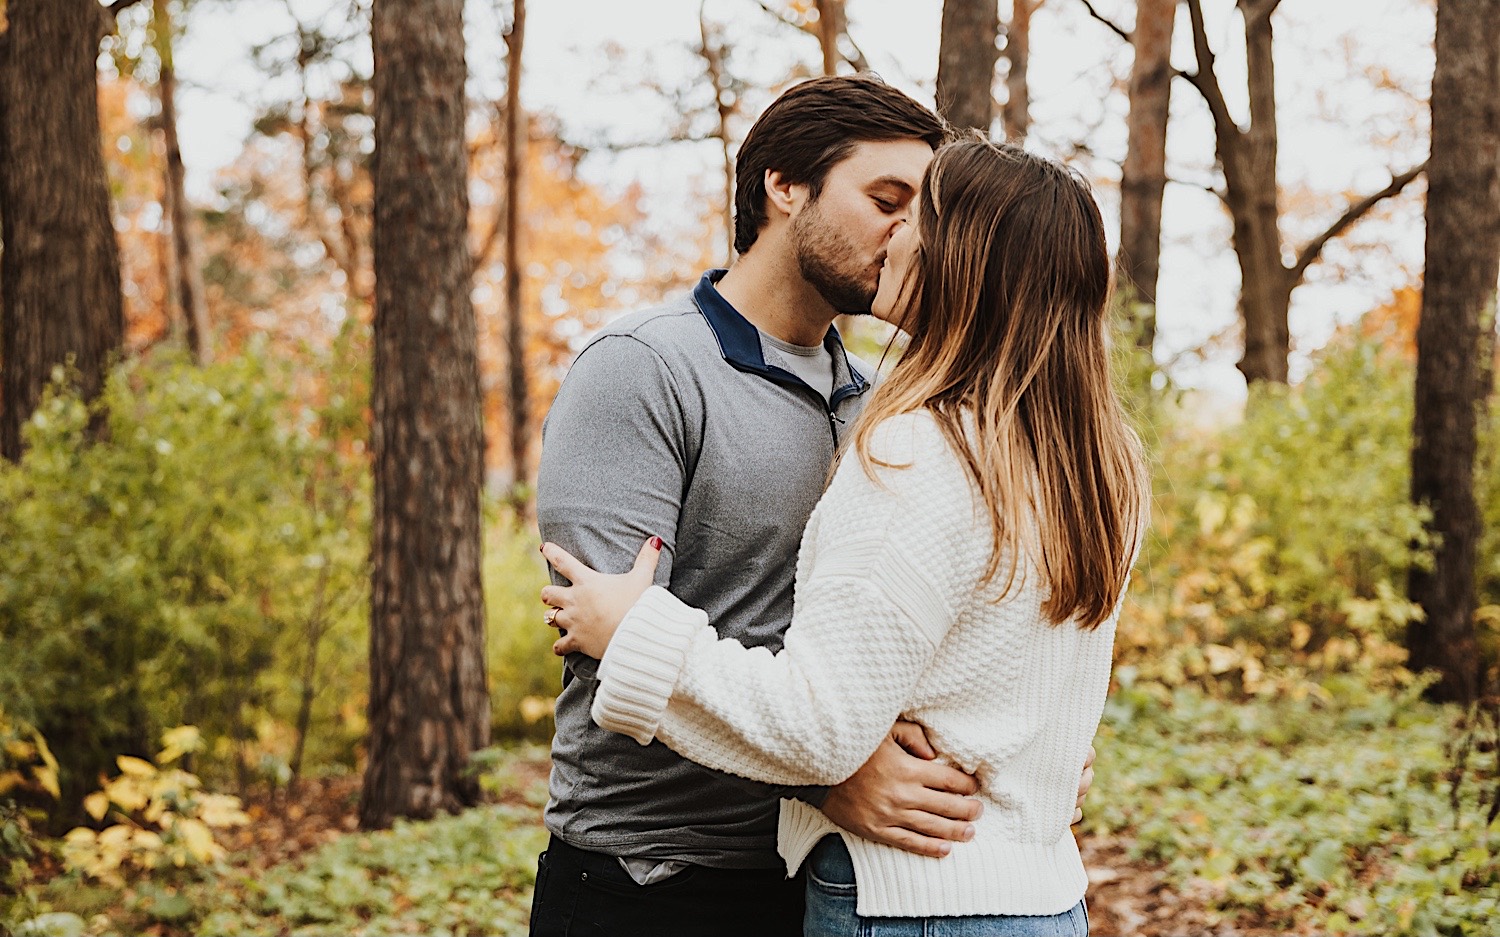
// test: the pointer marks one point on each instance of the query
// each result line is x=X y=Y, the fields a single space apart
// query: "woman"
x=963 y=571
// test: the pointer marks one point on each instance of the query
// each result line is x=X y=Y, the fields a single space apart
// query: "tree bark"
x=1267 y=294
x=830 y=27
x=61 y=276
x=515 y=325
x=192 y=305
x=967 y=54
x=4 y=170
x=1144 y=175
x=712 y=51
x=1455 y=334
x=429 y=708
x=1015 y=116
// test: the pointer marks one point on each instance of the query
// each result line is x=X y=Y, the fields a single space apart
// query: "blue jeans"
x=831 y=897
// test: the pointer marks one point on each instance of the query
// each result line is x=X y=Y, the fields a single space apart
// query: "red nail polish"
x=656 y=543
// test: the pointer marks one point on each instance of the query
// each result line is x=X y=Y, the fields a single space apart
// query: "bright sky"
x=1352 y=79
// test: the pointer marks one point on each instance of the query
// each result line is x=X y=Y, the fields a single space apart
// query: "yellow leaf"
x=220 y=810
x=178 y=742
x=9 y=781
x=44 y=751
x=46 y=776
x=136 y=767
x=115 y=837
x=128 y=792
x=96 y=805
x=147 y=840
x=166 y=785
x=80 y=836
x=199 y=839
x=19 y=750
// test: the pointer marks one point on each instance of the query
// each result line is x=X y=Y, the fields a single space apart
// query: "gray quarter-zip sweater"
x=683 y=422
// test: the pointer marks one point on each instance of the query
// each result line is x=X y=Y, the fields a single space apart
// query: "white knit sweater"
x=890 y=620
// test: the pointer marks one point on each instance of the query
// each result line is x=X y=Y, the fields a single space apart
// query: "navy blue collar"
x=739 y=342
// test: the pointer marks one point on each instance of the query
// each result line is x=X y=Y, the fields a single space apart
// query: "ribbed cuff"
x=643 y=662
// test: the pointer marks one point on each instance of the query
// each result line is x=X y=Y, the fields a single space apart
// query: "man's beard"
x=831 y=264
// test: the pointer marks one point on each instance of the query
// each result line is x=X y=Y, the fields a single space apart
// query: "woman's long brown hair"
x=1005 y=302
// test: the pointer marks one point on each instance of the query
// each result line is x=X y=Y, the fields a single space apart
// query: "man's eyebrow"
x=894 y=182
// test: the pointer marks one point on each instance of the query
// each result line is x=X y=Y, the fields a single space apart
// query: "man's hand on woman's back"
x=905 y=798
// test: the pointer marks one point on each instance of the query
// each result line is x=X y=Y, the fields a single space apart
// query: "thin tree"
x=330 y=208
x=1247 y=158
x=1143 y=177
x=967 y=53
x=61 y=264
x=713 y=52
x=830 y=29
x=1455 y=335
x=831 y=25
x=515 y=323
x=1015 y=114
x=429 y=708
x=192 y=305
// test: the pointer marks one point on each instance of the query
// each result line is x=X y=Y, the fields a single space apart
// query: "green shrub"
x=524 y=676
x=1280 y=541
x=151 y=578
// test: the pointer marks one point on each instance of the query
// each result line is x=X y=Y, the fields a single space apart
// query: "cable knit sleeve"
x=882 y=569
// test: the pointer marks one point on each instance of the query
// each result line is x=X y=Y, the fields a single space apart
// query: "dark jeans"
x=583 y=894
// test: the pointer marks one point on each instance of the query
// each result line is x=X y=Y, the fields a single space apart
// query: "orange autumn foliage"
x=290 y=266
x=1395 y=322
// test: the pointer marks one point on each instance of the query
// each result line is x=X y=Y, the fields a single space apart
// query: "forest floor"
x=1207 y=817
x=1125 y=897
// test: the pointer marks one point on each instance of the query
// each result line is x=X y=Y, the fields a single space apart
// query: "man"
x=711 y=422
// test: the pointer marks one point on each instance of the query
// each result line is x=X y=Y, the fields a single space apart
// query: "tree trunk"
x=4 y=169
x=1144 y=174
x=1248 y=160
x=830 y=27
x=1267 y=297
x=515 y=326
x=966 y=63
x=1458 y=310
x=61 y=275
x=1015 y=117
x=712 y=51
x=429 y=709
x=192 y=305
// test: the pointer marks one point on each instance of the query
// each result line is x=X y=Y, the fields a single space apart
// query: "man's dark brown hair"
x=813 y=126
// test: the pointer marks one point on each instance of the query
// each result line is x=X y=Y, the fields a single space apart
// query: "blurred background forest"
x=201 y=586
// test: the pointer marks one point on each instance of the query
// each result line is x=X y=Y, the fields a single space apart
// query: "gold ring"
x=551 y=618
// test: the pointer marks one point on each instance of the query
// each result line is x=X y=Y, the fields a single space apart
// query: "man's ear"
x=785 y=198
